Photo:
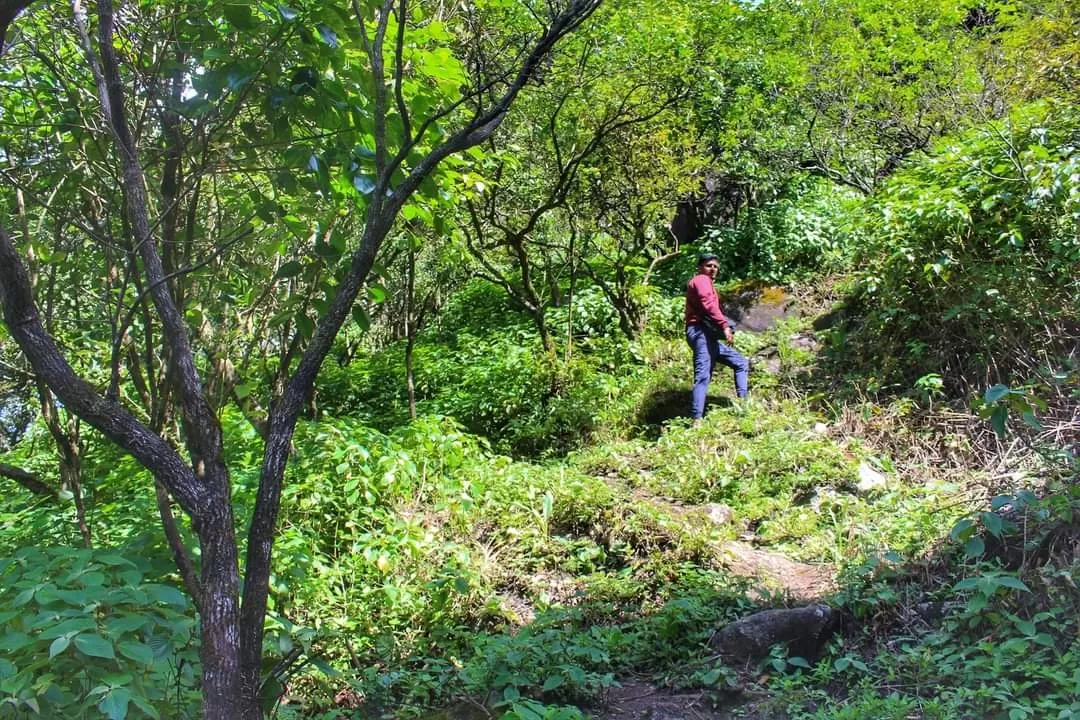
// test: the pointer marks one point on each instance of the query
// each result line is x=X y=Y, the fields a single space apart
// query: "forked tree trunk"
x=231 y=631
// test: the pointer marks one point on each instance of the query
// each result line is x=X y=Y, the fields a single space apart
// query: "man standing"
x=705 y=325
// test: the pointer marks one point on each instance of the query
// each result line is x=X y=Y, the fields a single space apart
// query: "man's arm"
x=702 y=289
x=704 y=293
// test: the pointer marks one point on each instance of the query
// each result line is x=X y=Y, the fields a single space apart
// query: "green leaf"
x=553 y=682
x=328 y=35
x=967 y=584
x=1010 y=581
x=799 y=662
x=511 y=693
x=325 y=668
x=240 y=16
x=59 y=645
x=711 y=677
x=304 y=325
x=1031 y=421
x=115 y=703
x=94 y=645
x=974 y=547
x=961 y=529
x=998 y=419
x=995 y=393
x=166 y=594
x=1001 y=501
x=364 y=184
x=25 y=596
x=1025 y=626
x=377 y=293
x=842 y=664
x=69 y=627
x=360 y=317
x=993 y=523
x=146 y=707
x=15 y=641
x=137 y=651
x=125 y=623
x=288 y=270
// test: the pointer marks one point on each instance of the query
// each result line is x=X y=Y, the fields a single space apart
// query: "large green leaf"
x=240 y=16
x=137 y=651
x=115 y=703
x=94 y=645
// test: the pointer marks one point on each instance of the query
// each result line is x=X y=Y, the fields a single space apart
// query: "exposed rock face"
x=758 y=309
x=804 y=630
x=777 y=572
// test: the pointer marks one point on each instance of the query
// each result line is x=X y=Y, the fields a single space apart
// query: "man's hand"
x=729 y=335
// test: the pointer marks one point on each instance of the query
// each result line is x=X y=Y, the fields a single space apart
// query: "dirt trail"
x=775 y=572
x=641 y=701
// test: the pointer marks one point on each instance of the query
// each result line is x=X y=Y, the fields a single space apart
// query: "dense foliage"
x=976 y=253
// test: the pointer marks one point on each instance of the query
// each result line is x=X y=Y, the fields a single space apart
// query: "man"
x=705 y=325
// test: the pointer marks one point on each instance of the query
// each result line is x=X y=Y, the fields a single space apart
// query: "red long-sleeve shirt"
x=701 y=301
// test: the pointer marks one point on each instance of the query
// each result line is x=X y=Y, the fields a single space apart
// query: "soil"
x=635 y=700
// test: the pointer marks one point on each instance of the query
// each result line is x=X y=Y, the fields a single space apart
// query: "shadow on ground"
x=663 y=406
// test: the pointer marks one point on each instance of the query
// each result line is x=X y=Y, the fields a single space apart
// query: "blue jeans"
x=707 y=353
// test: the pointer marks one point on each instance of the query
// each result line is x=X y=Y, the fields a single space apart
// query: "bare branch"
x=29 y=481
x=176 y=545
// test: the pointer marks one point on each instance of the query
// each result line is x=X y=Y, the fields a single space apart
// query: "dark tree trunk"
x=232 y=633
x=28 y=480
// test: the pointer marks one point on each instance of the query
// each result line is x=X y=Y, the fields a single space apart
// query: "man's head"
x=709 y=264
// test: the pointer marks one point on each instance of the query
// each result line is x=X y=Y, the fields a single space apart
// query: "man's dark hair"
x=706 y=257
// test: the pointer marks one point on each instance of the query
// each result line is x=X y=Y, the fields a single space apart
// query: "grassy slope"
x=620 y=561
x=430 y=572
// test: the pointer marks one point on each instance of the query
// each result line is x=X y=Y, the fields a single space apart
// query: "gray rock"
x=870 y=479
x=803 y=341
x=719 y=513
x=804 y=630
x=930 y=611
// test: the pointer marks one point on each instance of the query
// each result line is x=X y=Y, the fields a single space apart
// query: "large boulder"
x=757 y=309
x=804 y=630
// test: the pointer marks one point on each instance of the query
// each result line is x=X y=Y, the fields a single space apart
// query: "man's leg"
x=727 y=355
x=703 y=365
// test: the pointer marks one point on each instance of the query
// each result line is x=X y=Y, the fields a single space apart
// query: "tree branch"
x=380 y=218
x=24 y=322
x=9 y=10
x=202 y=432
x=176 y=545
x=28 y=481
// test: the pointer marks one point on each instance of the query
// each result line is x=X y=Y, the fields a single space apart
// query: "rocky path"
x=773 y=574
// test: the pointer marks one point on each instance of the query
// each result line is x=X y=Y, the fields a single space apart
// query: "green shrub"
x=803 y=231
x=975 y=260
x=86 y=634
